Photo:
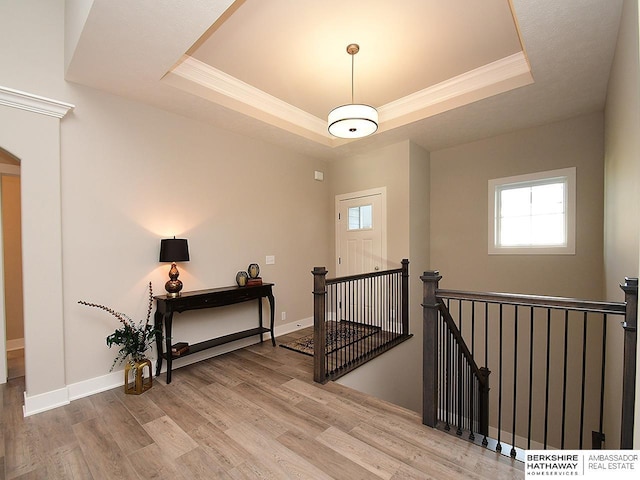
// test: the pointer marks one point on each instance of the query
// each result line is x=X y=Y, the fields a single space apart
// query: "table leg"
x=157 y=322
x=260 y=319
x=168 y=320
x=272 y=304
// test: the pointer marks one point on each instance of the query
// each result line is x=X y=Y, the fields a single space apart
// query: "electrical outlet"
x=284 y=315
x=270 y=260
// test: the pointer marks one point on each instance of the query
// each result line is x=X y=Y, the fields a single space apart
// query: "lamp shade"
x=174 y=250
x=353 y=121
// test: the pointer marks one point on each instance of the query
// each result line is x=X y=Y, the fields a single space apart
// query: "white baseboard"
x=45 y=401
x=15 y=344
x=293 y=326
x=58 y=398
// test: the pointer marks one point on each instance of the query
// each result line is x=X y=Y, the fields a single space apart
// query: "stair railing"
x=548 y=354
x=357 y=318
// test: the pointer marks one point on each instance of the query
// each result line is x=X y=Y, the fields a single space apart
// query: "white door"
x=361 y=232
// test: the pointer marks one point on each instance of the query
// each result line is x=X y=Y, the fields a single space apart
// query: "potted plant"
x=134 y=339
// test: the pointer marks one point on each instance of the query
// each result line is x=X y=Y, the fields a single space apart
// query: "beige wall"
x=459 y=212
x=402 y=168
x=12 y=244
x=622 y=177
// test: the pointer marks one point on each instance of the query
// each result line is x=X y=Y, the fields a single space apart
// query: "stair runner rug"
x=339 y=335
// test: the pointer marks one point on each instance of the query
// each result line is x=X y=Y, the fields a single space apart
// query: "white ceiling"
x=440 y=73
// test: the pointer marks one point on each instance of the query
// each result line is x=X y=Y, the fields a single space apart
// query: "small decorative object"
x=174 y=250
x=253 y=282
x=241 y=278
x=180 y=348
x=253 y=270
x=134 y=340
x=140 y=383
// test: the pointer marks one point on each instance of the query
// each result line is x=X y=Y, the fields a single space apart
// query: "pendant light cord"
x=352 y=61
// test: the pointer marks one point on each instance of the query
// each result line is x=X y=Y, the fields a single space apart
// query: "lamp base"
x=173 y=288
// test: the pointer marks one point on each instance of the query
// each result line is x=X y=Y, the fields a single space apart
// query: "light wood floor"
x=251 y=414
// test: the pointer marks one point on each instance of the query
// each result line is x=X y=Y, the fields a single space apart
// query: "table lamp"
x=174 y=250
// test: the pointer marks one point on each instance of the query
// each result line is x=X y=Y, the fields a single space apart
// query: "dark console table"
x=217 y=297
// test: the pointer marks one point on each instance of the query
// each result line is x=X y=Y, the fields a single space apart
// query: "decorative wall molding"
x=33 y=103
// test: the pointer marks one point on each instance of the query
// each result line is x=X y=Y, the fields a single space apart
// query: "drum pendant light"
x=353 y=120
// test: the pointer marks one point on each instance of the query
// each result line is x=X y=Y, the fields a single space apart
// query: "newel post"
x=630 y=325
x=430 y=348
x=405 y=296
x=319 y=325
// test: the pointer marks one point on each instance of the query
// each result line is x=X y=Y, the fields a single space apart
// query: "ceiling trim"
x=205 y=81
x=33 y=103
x=474 y=80
x=218 y=81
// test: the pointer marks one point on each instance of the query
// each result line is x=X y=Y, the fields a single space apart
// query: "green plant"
x=133 y=338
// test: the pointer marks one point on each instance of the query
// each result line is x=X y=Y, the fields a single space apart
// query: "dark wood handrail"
x=360 y=276
x=610 y=308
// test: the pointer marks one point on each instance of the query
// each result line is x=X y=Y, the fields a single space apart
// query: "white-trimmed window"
x=533 y=214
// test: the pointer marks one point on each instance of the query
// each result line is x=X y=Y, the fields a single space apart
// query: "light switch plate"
x=270 y=260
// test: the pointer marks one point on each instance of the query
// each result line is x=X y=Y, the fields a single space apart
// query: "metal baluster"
x=485 y=441
x=602 y=378
x=447 y=379
x=515 y=380
x=531 y=310
x=584 y=368
x=459 y=430
x=499 y=445
x=564 y=377
x=546 y=395
x=472 y=390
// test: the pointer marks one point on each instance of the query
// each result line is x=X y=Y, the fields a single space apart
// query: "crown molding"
x=198 y=78
x=502 y=70
x=224 y=84
x=33 y=103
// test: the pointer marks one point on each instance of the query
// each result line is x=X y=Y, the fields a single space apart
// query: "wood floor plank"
x=141 y=407
x=67 y=463
x=176 y=407
x=287 y=416
x=213 y=442
x=104 y=457
x=368 y=457
x=125 y=429
x=151 y=462
x=329 y=461
x=410 y=454
x=274 y=455
x=172 y=440
x=200 y=465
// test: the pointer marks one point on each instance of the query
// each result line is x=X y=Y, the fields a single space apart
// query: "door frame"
x=383 y=215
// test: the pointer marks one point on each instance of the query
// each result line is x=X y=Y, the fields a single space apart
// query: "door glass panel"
x=361 y=218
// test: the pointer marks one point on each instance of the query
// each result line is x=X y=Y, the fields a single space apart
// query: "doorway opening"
x=12 y=363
